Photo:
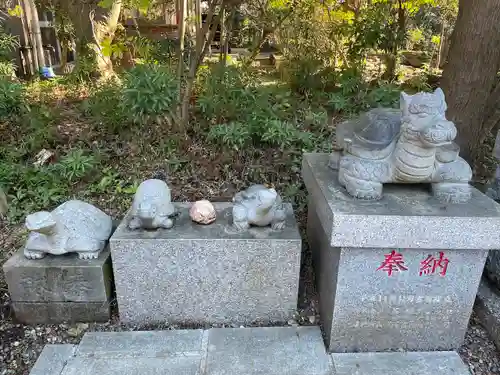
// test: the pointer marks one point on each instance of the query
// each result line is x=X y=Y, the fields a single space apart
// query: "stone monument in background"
x=399 y=237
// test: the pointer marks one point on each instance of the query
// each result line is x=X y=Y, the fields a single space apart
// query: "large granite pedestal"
x=206 y=274
x=59 y=289
x=399 y=273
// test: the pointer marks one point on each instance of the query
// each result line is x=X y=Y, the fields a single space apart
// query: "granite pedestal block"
x=399 y=273
x=60 y=288
x=194 y=273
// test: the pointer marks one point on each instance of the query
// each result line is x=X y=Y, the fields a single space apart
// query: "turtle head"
x=146 y=211
x=424 y=113
x=423 y=108
x=42 y=222
x=267 y=197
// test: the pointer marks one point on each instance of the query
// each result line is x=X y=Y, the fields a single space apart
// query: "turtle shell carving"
x=376 y=129
x=414 y=144
x=74 y=226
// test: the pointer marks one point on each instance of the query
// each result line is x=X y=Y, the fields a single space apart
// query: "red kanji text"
x=432 y=264
x=393 y=263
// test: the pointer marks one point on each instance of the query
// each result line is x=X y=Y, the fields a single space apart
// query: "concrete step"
x=399 y=363
x=218 y=351
x=228 y=351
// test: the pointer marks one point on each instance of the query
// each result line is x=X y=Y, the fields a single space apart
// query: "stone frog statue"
x=152 y=207
x=412 y=145
x=73 y=227
x=259 y=206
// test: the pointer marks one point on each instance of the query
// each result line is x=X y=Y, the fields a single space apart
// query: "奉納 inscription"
x=432 y=264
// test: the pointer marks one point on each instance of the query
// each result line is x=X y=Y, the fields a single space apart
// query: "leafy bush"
x=150 y=92
x=147 y=93
x=84 y=70
x=418 y=82
x=244 y=112
x=7 y=69
x=12 y=99
x=75 y=165
x=224 y=93
x=163 y=50
x=105 y=106
x=235 y=134
x=31 y=188
x=8 y=44
x=301 y=75
x=354 y=95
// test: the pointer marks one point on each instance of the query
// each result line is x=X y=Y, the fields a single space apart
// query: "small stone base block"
x=394 y=274
x=57 y=312
x=59 y=289
x=196 y=273
x=423 y=363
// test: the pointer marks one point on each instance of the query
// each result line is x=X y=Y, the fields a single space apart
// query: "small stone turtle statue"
x=412 y=145
x=152 y=207
x=259 y=206
x=73 y=227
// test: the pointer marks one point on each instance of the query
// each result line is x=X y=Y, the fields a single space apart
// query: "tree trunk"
x=93 y=25
x=198 y=23
x=222 y=40
x=182 y=34
x=439 y=55
x=206 y=37
x=470 y=76
x=3 y=203
x=228 y=35
x=445 y=47
x=263 y=38
x=64 y=56
x=37 y=35
x=104 y=28
x=31 y=40
x=391 y=62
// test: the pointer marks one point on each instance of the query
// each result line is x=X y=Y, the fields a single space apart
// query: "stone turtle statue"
x=412 y=145
x=259 y=206
x=152 y=207
x=73 y=227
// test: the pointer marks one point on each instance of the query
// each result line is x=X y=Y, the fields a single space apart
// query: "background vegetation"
x=134 y=105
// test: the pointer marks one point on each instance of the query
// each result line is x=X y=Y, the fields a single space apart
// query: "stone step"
x=399 y=363
x=231 y=351
x=218 y=351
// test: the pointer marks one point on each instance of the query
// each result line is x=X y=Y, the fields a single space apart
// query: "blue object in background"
x=47 y=72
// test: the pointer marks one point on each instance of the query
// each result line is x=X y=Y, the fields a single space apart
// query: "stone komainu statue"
x=410 y=145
